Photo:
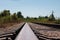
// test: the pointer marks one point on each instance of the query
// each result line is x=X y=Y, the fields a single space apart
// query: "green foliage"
x=19 y=15
x=27 y=17
x=6 y=17
x=46 y=16
x=5 y=13
x=58 y=21
x=14 y=16
x=51 y=17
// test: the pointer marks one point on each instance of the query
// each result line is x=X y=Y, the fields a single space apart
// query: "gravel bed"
x=48 y=32
x=10 y=29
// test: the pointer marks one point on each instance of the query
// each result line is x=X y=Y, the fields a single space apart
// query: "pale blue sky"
x=32 y=8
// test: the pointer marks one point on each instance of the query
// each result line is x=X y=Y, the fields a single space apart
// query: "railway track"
x=31 y=31
x=11 y=32
x=26 y=34
x=45 y=32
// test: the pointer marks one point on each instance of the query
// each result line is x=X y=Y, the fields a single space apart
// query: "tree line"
x=17 y=17
x=44 y=19
x=7 y=17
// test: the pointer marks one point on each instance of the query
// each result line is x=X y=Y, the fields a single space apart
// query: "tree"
x=5 y=13
x=39 y=17
x=0 y=15
x=35 y=18
x=27 y=17
x=51 y=17
x=58 y=21
x=14 y=16
x=19 y=15
x=46 y=16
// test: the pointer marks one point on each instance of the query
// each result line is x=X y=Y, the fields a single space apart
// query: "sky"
x=32 y=8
